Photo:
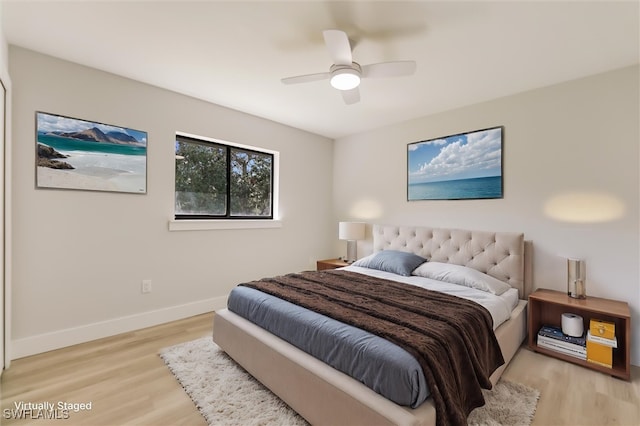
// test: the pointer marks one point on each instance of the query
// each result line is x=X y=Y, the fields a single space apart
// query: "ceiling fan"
x=344 y=74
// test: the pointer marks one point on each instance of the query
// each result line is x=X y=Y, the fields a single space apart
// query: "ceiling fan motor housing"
x=345 y=77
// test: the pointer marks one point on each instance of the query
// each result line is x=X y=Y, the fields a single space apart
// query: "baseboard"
x=72 y=336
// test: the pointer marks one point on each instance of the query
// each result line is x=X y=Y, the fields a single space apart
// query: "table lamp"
x=576 y=276
x=352 y=232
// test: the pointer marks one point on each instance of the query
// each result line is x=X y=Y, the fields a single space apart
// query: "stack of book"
x=554 y=339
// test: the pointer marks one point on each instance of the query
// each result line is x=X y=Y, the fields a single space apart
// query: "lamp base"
x=352 y=248
x=577 y=290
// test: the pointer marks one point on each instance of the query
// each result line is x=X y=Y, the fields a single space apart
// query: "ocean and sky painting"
x=77 y=154
x=464 y=166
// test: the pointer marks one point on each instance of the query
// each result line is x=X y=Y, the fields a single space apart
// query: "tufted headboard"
x=499 y=254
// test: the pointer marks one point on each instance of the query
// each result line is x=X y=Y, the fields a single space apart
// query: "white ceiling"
x=235 y=53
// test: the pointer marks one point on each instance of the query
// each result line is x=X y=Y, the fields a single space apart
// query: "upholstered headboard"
x=499 y=254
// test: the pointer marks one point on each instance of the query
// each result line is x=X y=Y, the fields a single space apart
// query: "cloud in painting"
x=472 y=155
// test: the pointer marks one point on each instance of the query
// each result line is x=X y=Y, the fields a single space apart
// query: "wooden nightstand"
x=546 y=308
x=321 y=265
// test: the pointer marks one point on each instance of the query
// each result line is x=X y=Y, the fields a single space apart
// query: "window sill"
x=206 y=225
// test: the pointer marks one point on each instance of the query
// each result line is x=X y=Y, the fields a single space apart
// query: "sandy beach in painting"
x=122 y=173
x=50 y=178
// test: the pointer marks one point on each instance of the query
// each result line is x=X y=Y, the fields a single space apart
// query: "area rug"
x=225 y=394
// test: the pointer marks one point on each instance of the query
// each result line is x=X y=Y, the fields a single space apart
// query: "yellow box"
x=604 y=329
x=599 y=354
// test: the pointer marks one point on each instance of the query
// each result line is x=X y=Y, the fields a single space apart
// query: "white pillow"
x=461 y=275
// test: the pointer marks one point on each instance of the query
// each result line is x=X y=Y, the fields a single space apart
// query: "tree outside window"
x=214 y=180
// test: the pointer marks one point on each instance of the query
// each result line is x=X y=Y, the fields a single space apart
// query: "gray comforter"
x=381 y=365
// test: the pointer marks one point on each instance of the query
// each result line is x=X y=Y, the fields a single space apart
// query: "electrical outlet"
x=146 y=286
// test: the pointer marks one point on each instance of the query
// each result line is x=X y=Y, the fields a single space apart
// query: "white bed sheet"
x=499 y=307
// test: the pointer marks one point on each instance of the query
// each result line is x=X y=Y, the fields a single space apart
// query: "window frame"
x=228 y=217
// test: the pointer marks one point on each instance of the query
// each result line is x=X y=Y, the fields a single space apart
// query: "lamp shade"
x=351 y=231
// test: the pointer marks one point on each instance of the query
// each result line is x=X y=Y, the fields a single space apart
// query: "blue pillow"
x=397 y=262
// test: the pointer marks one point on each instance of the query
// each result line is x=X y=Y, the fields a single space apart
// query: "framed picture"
x=78 y=154
x=456 y=167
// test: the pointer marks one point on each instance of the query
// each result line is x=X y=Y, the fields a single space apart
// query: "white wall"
x=79 y=257
x=580 y=137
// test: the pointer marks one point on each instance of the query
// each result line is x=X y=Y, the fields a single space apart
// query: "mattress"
x=379 y=364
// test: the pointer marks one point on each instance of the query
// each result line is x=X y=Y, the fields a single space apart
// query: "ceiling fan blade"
x=351 y=96
x=306 y=78
x=389 y=69
x=339 y=47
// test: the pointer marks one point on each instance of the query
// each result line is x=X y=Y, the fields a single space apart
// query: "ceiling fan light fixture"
x=345 y=79
x=345 y=74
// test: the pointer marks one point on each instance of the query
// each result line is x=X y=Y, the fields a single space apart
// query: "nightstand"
x=321 y=265
x=547 y=306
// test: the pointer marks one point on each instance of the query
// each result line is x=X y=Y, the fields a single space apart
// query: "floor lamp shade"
x=351 y=231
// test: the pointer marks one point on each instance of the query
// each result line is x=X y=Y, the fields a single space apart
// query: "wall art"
x=457 y=167
x=72 y=153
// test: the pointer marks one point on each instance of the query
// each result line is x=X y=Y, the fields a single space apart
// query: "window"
x=216 y=180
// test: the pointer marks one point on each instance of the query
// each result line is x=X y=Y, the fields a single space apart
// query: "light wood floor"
x=128 y=384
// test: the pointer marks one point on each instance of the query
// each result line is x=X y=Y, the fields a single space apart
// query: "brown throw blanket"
x=452 y=338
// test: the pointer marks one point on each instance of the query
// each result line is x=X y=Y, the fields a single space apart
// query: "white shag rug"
x=225 y=394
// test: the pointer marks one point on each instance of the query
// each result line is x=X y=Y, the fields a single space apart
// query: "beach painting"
x=456 y=167
x=78 y=154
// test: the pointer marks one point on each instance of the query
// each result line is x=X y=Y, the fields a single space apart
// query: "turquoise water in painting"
x=485 y=187
x=122 y=167
x=62 y=144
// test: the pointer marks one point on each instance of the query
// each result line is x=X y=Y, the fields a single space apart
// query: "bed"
x=325 y=395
